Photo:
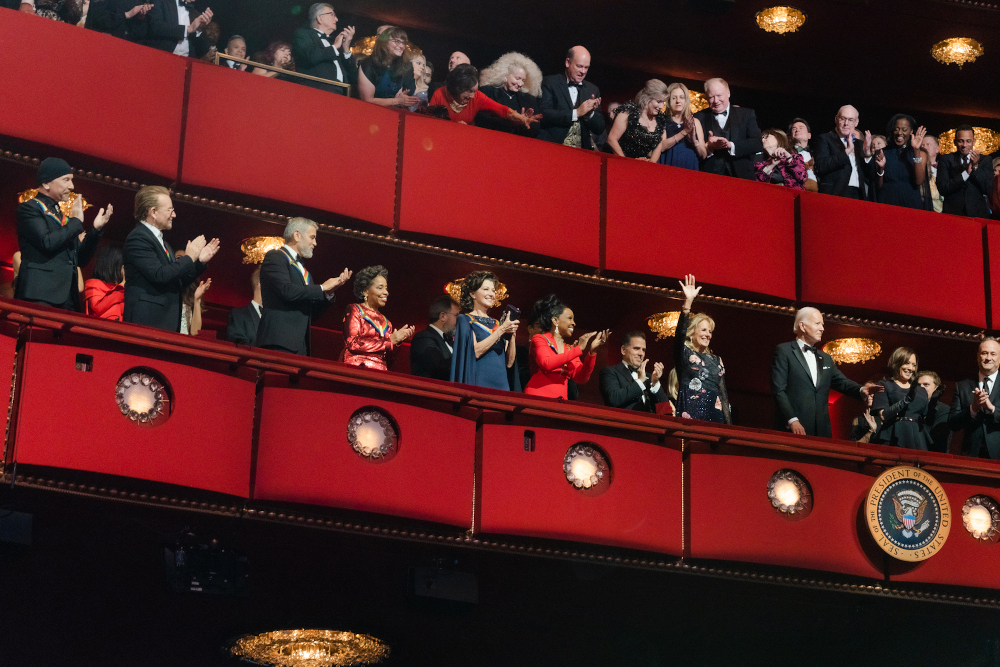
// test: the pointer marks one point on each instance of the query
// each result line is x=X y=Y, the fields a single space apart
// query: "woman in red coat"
x=461 y=100
x=105 y=292
x=369 y=339
x=556 y=359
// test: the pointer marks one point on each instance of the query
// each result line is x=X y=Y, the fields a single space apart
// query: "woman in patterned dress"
x=701 y=375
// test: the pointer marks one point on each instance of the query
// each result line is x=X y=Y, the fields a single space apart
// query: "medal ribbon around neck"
x=380 y=328
x=298 y=265
x=45 y=209
x=482 y=326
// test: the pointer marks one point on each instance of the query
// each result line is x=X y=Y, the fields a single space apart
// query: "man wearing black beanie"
x=51 y=249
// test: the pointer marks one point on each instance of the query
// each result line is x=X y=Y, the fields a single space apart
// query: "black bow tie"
x=570 y=84
x=723 y=113
x=449 y=337
x=810 y=348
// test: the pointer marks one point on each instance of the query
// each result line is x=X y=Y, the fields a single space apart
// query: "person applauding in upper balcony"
x=50 y=241
x=369 y=338
x=685 y=142
x=733 y=136
x=639 y=128
x=901 y=169
x=484 y=348
x=176 y=27
x=386 y=76
x=514 y=81
x=965 y=177
x=320 y=54
x=278 y=54
x=781 y=166
x=571 y=107
x=460 y=100
x=701 y=375
x=844 y=163
x=557 y=360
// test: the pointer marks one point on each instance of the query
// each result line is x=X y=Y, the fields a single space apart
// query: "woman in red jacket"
x=105 y=292
x=461 y=100
x=556 y=359
x=369 y=338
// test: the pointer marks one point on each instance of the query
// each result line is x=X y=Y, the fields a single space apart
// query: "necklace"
x=456 y=107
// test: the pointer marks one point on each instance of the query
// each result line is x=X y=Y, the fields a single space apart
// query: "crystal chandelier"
x=958 y=50
x=852 y=350
x=780 y=19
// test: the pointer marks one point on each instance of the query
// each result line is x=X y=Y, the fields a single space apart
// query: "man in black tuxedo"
x=51 y=249
x=965 y=178
x=974 y=405
x=243 y=322
x=430 y=349
x=316 y=53
x=175 y=27
x=237 y=48
x=571 y=107
x=731 y=134
x=625 y=385
x=801 y=378
x=937 y=418
x=844 y=164
x=290 y=297
x=154 y=278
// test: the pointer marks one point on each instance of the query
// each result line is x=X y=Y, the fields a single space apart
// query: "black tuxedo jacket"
x=981 y=431
x=965 y=196
x=741 y=129
x=620 y=390
x=163 y=29
x=430 y=356
x=242 y=325
x=109 y=16
x=153 y=282
x=289 y=305
x=833 y=166
x=795 y=395
x=315 y=59
x=557 y=111
x=50 y=253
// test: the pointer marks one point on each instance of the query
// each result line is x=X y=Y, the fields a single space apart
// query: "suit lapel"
x=797 y=353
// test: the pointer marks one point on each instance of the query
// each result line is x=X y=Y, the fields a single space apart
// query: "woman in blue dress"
x=684 y=144
x=701 y=376
x=901 y=167
x=484 y=348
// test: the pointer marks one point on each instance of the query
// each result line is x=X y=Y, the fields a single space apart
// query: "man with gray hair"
x=732 y=137
x=843 y=162
x=290 y=297
x=318 y=54
x=801 y=377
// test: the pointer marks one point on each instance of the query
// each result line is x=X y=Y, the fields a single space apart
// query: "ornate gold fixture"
x=698 y=101
x=664 y=324
x=256 y=247
x=853 y=350
x=987 y=141
x=64 y=206
x=981 y=517
x=363 y=47
x=308 y=648
x=780 y=19
x=454 y=288
x=958 y=50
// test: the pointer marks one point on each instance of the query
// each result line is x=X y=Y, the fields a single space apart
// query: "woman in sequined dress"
x=701 y=375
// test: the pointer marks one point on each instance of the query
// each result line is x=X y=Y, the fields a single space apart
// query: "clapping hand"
x=333 y=283
x=880 y=159
x=404 y=99
x=194 y=248
x=203 y=19
x=142 y=9
x=973 y=160
x=917 y=140
x=657 y=373
x=208 y=252
x=202 y=288
x=102 y=216
x=599 y=339
x=868 y=143
x=399 y=335
x=641 y=371
x=507 y=325
x=583 y=342
x=587 y=106
x=981 y=401
x=717 y=143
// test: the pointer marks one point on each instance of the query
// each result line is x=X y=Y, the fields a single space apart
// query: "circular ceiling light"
x=981 y=517
x=780 y=19
x=664 y=324
x=790 y=494
x=373 y=434
x=309 y=648
x=143 y=397
x=587 y=468
x=957 y=50
x=853 y=350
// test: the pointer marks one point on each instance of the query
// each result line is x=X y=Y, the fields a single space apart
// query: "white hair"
x=496 y=74
x=801 y=316
x=300 y=225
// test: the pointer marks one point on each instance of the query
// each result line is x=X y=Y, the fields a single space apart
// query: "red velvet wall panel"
x=69 y=419
x=321 y=150
x=666 y=221
x=963 y=560
x=732 y=517
x=303 y=456
x=864 y=255
x=993 y=239
x=526 y=493
x=120 y=102
x=480 y=185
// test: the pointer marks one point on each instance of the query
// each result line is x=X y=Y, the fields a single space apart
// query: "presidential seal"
x=908 y=513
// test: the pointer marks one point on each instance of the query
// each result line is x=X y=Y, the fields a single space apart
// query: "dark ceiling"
x=873 y=54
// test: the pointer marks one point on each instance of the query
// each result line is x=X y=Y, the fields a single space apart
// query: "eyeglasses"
x=394 y=40
x=326 y=14
x=852 y=121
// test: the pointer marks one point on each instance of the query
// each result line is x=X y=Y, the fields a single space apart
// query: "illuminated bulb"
x=139 y=398
x=369 y=438
x=979 y=519
x=786 y=492
x=583 y=469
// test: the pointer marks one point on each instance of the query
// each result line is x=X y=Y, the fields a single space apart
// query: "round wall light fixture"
x=981 y=517
x=587 y=468
x=308 y=648
x=373 y=434
x=790 y=494
x=143 y=397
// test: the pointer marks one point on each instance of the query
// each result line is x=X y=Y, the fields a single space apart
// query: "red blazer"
x=105 y=300
x=468 y=115
x=555 y=369
x=367 y=339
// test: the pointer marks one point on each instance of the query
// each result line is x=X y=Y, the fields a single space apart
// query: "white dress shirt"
x=642 y=385
x=184 y=19
x=257 y=307
x=811 y=362
x=574 y=93
x=326 y=42
x=441 y=333
x=722 y=118
x=993 y=383
x=159 y=236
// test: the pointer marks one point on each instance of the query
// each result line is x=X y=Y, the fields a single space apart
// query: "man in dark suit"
x=571 y=107
x=318 y=54
x=175 y=27
x=625 y=385
x=125 y=19
x=974 y=405
x=937 y=414
x=51 y=249
x=731 y=134
x=430 y=350
x=290 y=297
x=802 y=376
x=965 y=178
x=844 y=164
x=243 y=322
x=237 y=48
x=154 y=278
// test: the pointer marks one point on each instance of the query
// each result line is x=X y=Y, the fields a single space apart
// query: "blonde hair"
x=693 y=326
x=686 y=114
x=653 y=89
x=673 y=385
x=718 y=80
x=496 y=74
x=147 y=198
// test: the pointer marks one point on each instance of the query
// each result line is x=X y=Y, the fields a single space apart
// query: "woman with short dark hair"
x=781 y=165
x=460 y=99
x=369 y=339
x=386 y=76
x=484 y=348
x=278 y=54
x=901 y=168
x=903 y=406
x=557 y=360
x=104 y=294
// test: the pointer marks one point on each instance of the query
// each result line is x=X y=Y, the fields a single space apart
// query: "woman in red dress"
x=461 y=99
x=369 y=339
x=556 y=359
x=105 y=292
